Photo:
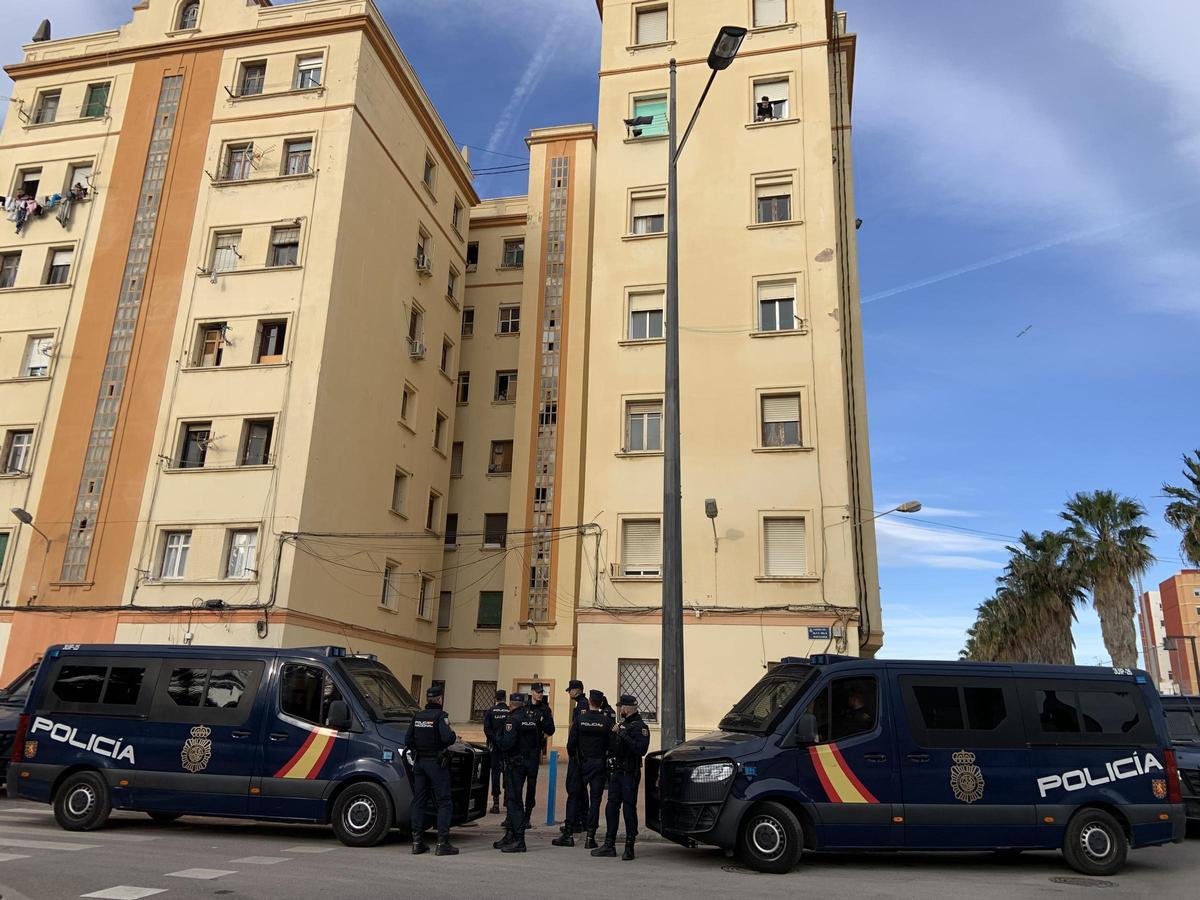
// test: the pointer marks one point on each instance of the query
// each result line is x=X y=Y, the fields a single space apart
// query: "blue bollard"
x=550 y=791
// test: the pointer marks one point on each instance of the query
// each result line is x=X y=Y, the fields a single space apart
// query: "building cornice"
x=500 y=221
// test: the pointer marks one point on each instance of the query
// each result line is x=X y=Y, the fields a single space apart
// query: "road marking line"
x=6 y=857
x=44 y=845
x=125 y=892
x=27 y=811
x=262 y=860
x=202 y=874
x=103 y=835
x=308 y=849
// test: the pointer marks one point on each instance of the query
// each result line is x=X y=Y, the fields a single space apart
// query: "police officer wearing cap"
x=628 y=742
x=576 y=794
x=493 y=724
x=588 y=744
x=428 y=737
x=540 y=709
x=520 y=741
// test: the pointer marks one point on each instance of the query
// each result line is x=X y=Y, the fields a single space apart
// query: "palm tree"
x=1110 y=547
x=1183 y=512
x=1047 y=580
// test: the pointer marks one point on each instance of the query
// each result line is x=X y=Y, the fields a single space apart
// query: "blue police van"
x=306 y=735
x=839 y=753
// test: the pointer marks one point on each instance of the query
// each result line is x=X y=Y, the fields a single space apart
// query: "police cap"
x=501 y=694
x=434 y=692
x=538 y=688
x=627 y=700
x=516 y=697
x=574 y=683
x=596 y=696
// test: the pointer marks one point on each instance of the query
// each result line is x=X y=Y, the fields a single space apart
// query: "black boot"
x=419 y=846
x=609 y=848
x=495 y=805
x=628 y=854
x=527 y=825
x=517 y=846
x=445 y=848
x=566 y=839
x=508 y=838
x=590 y=843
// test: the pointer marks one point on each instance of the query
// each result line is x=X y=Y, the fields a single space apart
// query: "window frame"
x=290 y=249
x=181 y=551
x=57 y=273
x=185 y=431
x=462 y=388
x=199 y=349
x=786 y=181
x=388 y=588
x=252 y=556
x=441 y=423
x=445 y=611
x=87 y=110
x=467 y=322
x=493 y=596
x=39 y=106
x=788 y=20
x=494 y=519
x=457 y=454
x=433 y=511
x=511 y=382
x=188 y=18
x=32 y=343
x=290 y=152
x=399 y=500
x=456 y=215
x=408 y=405
x=450 y=534
x=234 y=250
x=262 y=329
x=643 y=194
x=244 y=445
x=802 y=426
x=429 y=173
x=243 y=77
x=644 y=572
x=513 y=253
x=811 y=563
x=648 y=713
x=649 y=132
x=10 y=269
x=304 y=66
x=494 y=467
x=425 y=586
x=11 y=448
x=237 y=162
x=637 y=10
x=788 y=115
x=505 y=326
x=629 y=408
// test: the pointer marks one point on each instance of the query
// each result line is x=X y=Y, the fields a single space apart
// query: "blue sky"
x=1019 y=165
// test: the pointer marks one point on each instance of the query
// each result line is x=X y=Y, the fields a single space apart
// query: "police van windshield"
x=377 y=686
x=760 y=710
x=1183 y=726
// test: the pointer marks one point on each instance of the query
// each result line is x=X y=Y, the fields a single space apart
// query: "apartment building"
x=1156 y=659
x=282 y=377
x=1180 y=602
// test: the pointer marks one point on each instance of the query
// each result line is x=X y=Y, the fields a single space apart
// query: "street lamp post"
x=1167 y=645
x=671 y=704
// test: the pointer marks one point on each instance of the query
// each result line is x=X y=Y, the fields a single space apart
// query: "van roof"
x=851 y=663
x=193 y=651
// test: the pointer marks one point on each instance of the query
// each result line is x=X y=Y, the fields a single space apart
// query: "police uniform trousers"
x=593 y=776
x=622 y=798
x=516 y=775
x=531 y=783
x=430 y=775
x=497 y=764
x=576 y=793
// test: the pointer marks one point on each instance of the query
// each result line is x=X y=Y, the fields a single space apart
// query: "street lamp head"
x=22 y=516
x=911 y=506
x=725 y=47
x=710 y=507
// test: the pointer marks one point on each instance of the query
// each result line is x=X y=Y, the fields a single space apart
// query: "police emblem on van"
x=966 y=778
x=1159 y=787
x=197 y=750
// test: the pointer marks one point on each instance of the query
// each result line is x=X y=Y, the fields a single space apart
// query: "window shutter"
x=773 y=189
x=769 y=12
x=773 y=90
x=647 y=206
x=641 y=302
x=785 y=548
x=62 y=257
x=656 y=108
x=641 y=545
x=777 y=290
x=652 y=26
x=781 y=408
x=282 y=236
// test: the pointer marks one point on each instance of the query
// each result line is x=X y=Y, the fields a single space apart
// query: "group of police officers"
x=604 y=751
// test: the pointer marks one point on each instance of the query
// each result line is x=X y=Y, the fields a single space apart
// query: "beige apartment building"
x=273 y=373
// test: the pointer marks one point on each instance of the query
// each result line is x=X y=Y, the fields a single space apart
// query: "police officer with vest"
x=428 y=737
x=493 y=724
x=576 y=793
x=520 y=741
x=588 y=745
x=628 y=742
x=542 y=712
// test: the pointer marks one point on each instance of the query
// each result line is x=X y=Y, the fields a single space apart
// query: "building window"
x=389 y=597
x=28 y=182
x=439 y=431
x=450 y=536
x=510 y=320
x=456 y=459
x=785 y=547
x=495 y=531
x=645 y=316
x=656 y=108
x=210 y=345
x=463 y=395
x=548 y=413
x=399 y=491
x=193 y=445
x=506 y=386
x=431 y=511
x=285 y=247
x=243 y=554
x=772 y=200
x=308 y=72
x=769 y=12
x=445 y=608
x=59 y=271
x=297 y=157
x=408 y=404
x=424 y=595
x=225 y=254
x=643 y=426
x=650 y=25
x=415 y=331
x=189 y=16
x=95 y=101
x=468 y=321
x=256 y=442
x=514 y=253
x=175 y=553
x=46 y=110
x=254 y=77
x=17 y=447
x=641 y=548
x=483 y=698
x=429 y=173
x=771 y=99
x=472 y=256
x=37 y=356
x=777 y=306
x=781 y=420
x=491 y=606
x=647 y=214
x=414 y=685
x=3 y=546
x=639 y=677
x=9 y=264
x=447 y=356
x=452 y=284
x=270 y=342
x=239 y=162
x=456 y=216
x=501 y=459
x=424 y=263
x=79 y=178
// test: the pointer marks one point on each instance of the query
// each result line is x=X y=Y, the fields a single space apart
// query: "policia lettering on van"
x=312 y=735
x=838 y=753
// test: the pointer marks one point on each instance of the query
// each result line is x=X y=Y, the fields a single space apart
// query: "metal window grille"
x=640 y=678
x=483 y=697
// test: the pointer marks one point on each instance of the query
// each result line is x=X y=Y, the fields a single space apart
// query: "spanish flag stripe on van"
x=836 y=776
x=307 y=761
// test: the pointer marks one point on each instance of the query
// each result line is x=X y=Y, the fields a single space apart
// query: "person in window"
x=764 y=110
x=855 y=715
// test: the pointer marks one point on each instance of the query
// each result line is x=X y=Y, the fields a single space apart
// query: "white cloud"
x=911 y=634
x=909 y=544
x=943 y=512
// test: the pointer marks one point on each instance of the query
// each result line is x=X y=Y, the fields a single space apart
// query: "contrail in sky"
x=530 y=79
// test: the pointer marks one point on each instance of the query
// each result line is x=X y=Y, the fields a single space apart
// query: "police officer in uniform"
x=540 y=709
x=493 y=724
x=520 y=741
x=576 y=793
x=428 y=737
x=588 y=744
x=627 y=743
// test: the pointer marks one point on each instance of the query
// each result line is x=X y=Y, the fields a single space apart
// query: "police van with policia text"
x=306 y=735
x=837 y=753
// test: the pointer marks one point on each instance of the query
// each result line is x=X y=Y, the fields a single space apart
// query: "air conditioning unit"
x=416 y=348
x=424 y=264
x=471 y=267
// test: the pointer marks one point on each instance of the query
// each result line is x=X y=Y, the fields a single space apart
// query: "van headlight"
x=712 y=773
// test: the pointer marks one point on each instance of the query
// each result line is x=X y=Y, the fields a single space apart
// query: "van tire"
x=82 y=802
x=164 y=818
x=1095 y=843
x=362 y=814
x=771 y=839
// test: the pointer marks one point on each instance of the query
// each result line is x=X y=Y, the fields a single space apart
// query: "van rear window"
x=1087 y=712
x=100 y=685
x=1182 y=726
x=210 y=688
x=943 y=711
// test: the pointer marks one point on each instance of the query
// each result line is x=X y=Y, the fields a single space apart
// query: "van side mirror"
x=805 y=732
x=338 y=716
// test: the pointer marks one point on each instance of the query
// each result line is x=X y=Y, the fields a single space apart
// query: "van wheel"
x=771 y=839
x=362 y=815
x=82 y=802
x=163 y=818
x=1095 y=843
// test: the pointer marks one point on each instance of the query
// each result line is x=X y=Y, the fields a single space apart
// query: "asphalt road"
x=133 y=858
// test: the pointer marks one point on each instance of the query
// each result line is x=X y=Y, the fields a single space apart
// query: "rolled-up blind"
x=785 y=547
x=781 y=408
x=769 y=12
x=777 y=290
x=652 y=26
x=641 y=546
